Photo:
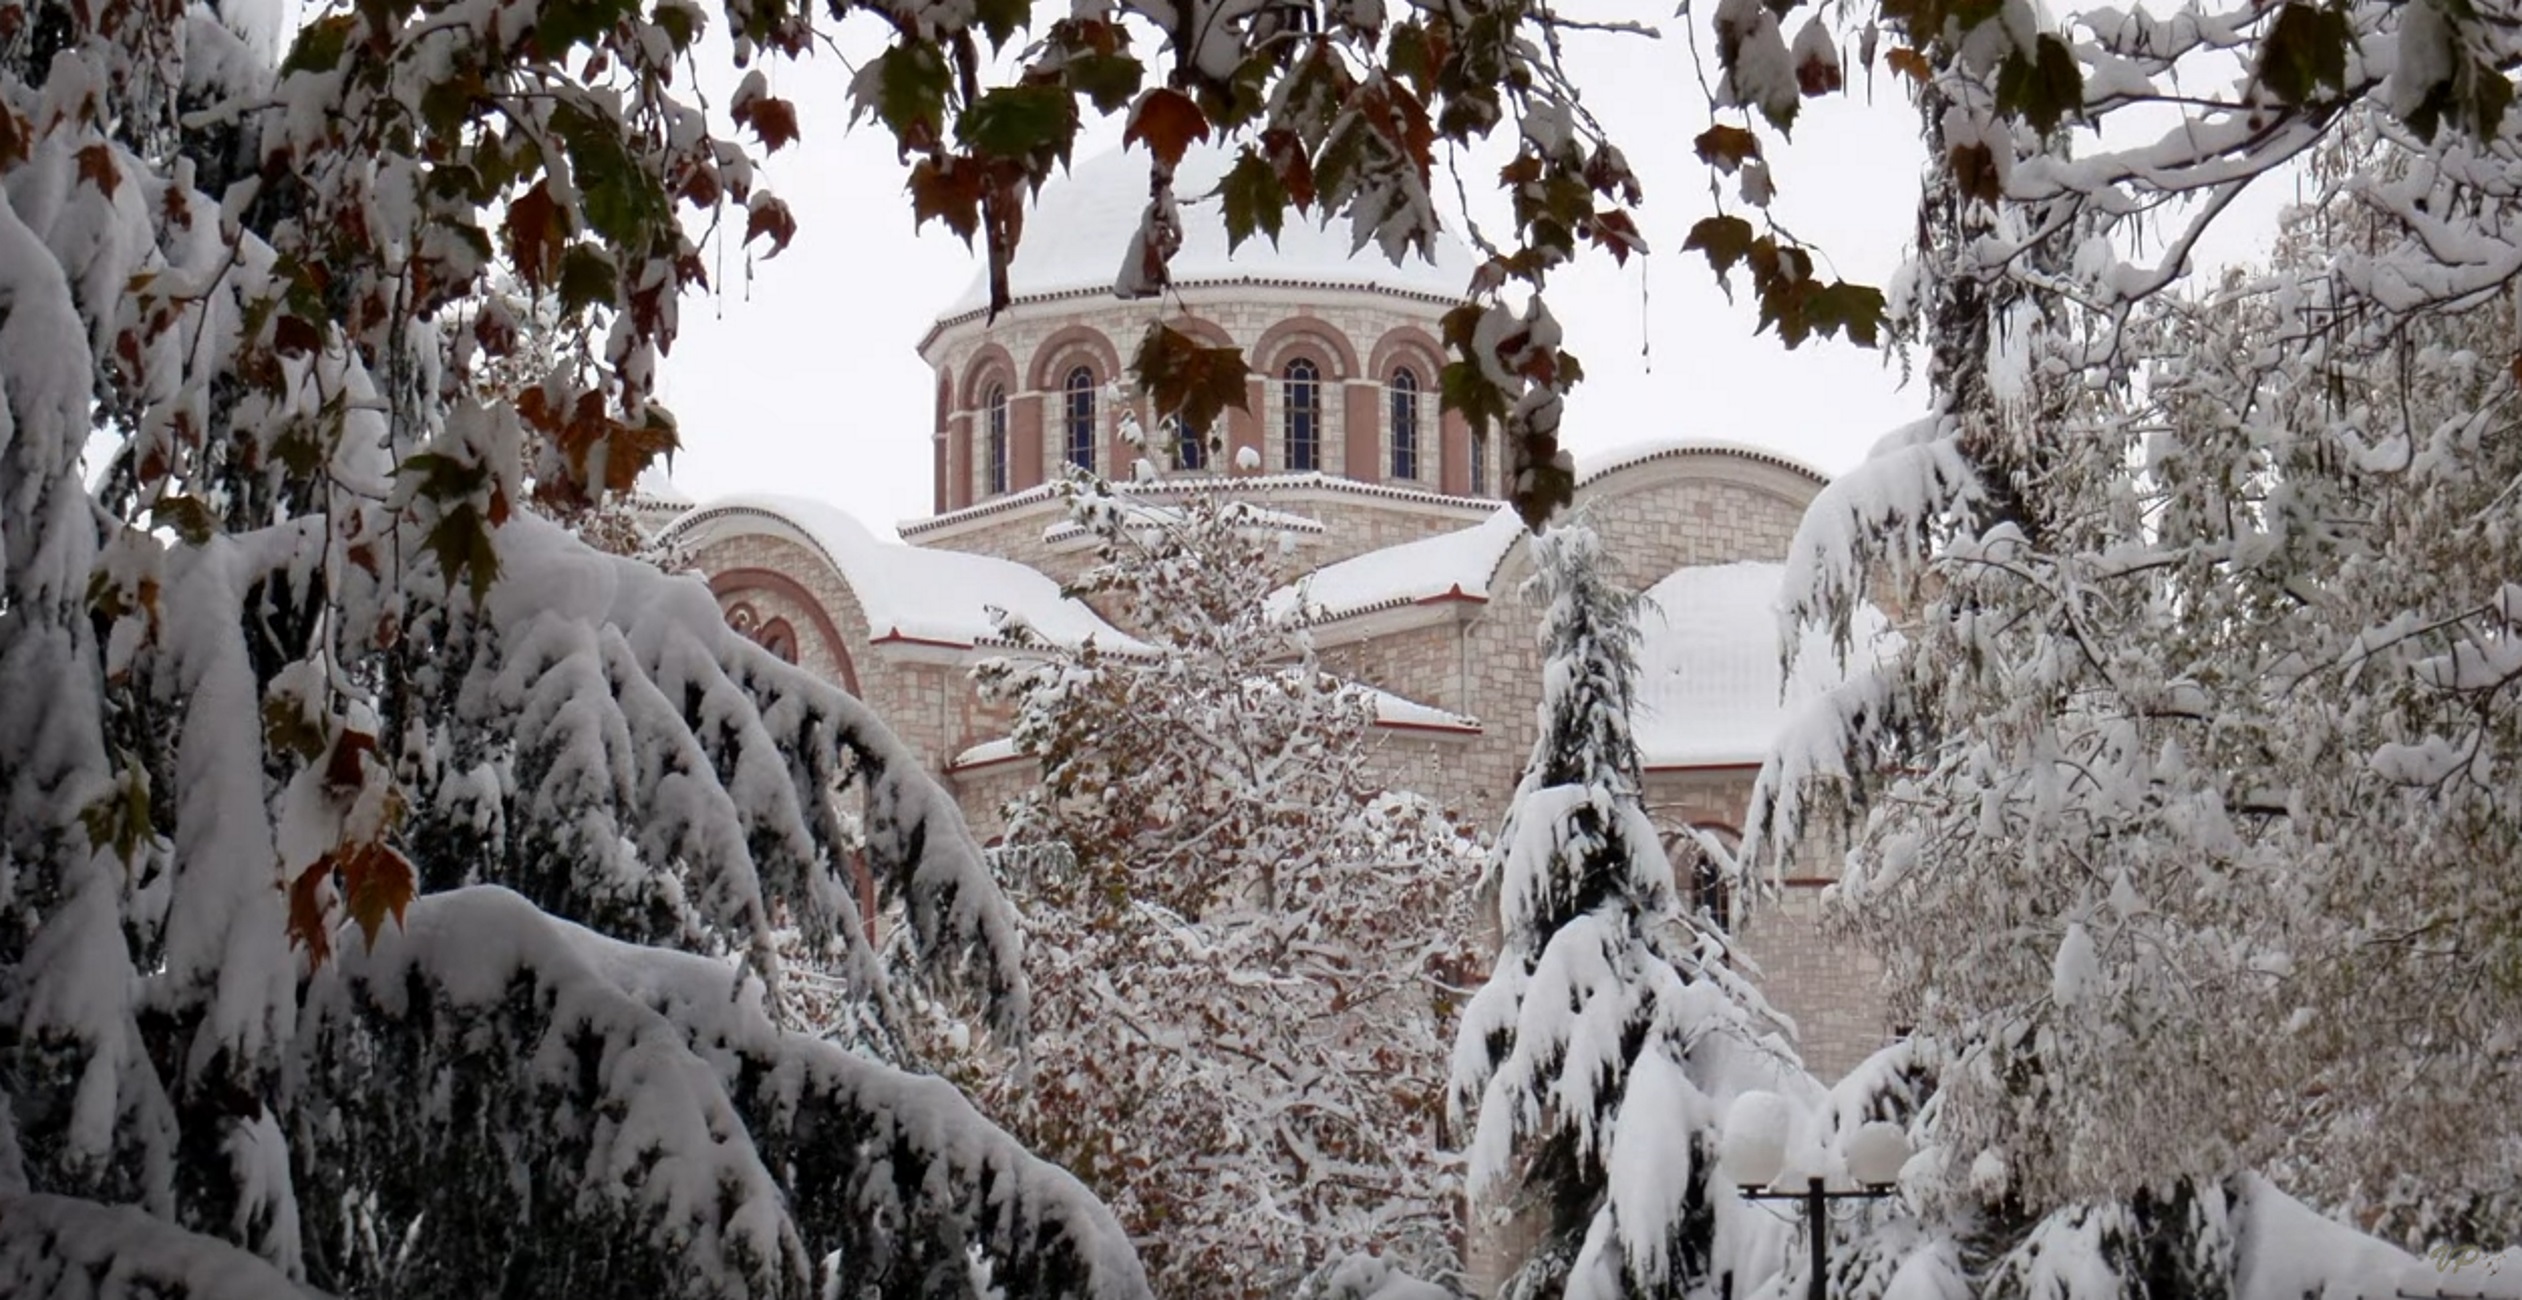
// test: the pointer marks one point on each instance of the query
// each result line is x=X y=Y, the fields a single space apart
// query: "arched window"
x=1701 y=874
x=780 y=638
x=994 y=414
x=1405 y=424
x=1303 y=415
x=1080 y=389
x=1190 y=444
x=1479 y=462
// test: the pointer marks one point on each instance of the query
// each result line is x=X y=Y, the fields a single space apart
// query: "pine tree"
x=386 y=878
x=1596 y=1063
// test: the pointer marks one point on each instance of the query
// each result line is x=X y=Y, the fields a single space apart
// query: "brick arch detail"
x=945 y=397
x=1271 y=353
x=1675 y=476
x=731 y=584
x=779 y=637
x=1675 y=825
x=1407 y=343
x=1055 y=357
x=1205 y=330
x=991 y=362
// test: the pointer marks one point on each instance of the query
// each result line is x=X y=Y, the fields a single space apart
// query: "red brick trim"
x=1456 y=595
x=1051 y=362
x=1283 y=342
x=896 y=636
x=1598 y=473
x=731 y=584
x=1437 y=728
x=1407 y=343
x=990 y=363
x=1104 y=292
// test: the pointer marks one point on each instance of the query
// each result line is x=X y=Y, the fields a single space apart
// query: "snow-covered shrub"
x=1368 y=1277
x=1245 y=966
x=2180 y=809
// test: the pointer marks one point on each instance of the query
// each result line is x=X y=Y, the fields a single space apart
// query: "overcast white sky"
x=801 y=379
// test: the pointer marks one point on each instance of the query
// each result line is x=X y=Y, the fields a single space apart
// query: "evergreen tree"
x=386 y=878
x=1613 y=1033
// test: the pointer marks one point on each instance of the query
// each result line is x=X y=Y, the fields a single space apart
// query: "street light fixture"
x=1753 y=1154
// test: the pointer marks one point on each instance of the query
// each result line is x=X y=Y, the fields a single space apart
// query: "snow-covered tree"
x=1244 y=964
x=1593 y=1068
x=2179 y=808
x=385 y=877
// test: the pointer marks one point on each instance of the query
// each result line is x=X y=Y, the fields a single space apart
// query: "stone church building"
x=1405 y=562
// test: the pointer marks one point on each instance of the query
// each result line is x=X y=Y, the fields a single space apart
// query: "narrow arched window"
x=1303 y=415
x=1405 y=424
x=1080 y=390
x=994 y=413
x=1479 y=462
x=1190 y=444
x=780 y=638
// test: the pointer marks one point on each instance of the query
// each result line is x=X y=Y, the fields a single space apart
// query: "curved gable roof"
x=907 y=592
x=1467 y=564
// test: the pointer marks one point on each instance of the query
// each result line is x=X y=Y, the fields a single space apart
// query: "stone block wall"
x=930 y=705
x=986 y=790
x=1830 y=986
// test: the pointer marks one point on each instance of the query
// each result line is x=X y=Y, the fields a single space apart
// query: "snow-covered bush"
x=324 y=762
x=1245 y=965
x=1594 y=1067
x=2179 y=808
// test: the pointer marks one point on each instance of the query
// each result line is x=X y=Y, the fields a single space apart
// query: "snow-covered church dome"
x=1080 y=227
x=1343 y=343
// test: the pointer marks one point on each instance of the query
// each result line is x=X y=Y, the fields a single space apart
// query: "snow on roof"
x=1082 y=223
x=2285 y=1250
x=1595 y=465
x=1462 y=563
x=1409 y=715
x=1455 y=564
x=1390 y=711
x=657 y=485
x=908 y=592
x=1708 y=676
x=1261 y=521
x=987 y=752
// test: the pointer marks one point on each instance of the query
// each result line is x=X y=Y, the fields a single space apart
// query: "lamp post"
x=1754 y=1153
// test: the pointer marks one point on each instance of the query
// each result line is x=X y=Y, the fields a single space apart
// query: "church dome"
x=1081 y=225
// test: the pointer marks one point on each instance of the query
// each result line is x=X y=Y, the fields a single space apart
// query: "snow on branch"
x=70 y=1249
x=486 y=1064
x=1874 y=522
x=722 y=758
x=1596 y=1061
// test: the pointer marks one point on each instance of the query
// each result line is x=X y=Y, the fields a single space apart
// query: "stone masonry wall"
x=930 y=706
x=1354 y=522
